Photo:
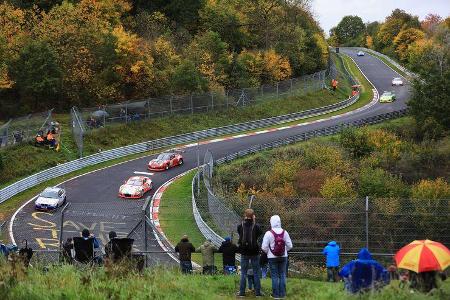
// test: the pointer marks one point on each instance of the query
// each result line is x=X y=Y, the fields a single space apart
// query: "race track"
x=93 y=197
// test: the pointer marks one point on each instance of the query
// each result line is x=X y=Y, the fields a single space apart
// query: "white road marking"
x=143 y=173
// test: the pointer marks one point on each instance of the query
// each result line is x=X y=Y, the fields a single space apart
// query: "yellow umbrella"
x=423 y=255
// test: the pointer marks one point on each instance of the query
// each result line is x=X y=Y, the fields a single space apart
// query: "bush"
x=379 y=183
x=355 y=141
x=337 y=187
x=431 y=189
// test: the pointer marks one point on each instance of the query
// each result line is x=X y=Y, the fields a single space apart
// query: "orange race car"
x=164 y=161
x=135 y=187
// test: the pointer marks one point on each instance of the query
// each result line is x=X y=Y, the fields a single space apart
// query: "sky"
x=330 y=12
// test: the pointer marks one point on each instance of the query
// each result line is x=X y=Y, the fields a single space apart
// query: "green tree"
x=187 y=78
x=404 y=39
x=37 y=75
x=379 y=183
x=350 y=31
x=356 y=141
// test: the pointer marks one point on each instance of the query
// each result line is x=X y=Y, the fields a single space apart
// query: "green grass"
x=66 y=282
x=176 y=216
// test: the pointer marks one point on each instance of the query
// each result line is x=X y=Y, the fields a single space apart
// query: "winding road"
x=94 y=203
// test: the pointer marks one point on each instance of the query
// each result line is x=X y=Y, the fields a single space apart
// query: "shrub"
x=379 y=183
x=431 y=189
x=355 y=141
x=309 y=182
x=337 y=187
x=327 y=157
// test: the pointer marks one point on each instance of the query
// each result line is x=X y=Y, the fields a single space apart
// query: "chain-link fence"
x=131 y=111
x=24 y=129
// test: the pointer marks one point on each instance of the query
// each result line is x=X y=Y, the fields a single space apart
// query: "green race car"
x=387 y=97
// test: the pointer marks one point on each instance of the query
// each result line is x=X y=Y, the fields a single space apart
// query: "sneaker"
x=273 y=297
x=239 y=295
x=261 y=294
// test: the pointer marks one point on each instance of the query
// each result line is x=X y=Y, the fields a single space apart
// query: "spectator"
x=184 y=248
x=250 y=278
x=229 y=250
x=276 y=244
x=249 y=232
x=264 y=263
x=363 y=273
x=108 y=247
x=67 y=250
x=331 y=252
x=87 y=235
x=207 y=250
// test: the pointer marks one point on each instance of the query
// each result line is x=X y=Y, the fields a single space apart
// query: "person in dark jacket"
x=249 y=233
x=331 y=252
x=108 y=247
x=229 y=250
x=184 y=248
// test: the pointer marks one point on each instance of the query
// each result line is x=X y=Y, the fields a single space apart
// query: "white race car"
x=397 y=81
x=135 y=187
x=360 y=53
x=50 y=199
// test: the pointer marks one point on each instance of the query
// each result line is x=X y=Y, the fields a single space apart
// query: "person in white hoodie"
x=276 y=243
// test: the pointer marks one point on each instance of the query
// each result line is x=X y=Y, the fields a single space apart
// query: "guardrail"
x=390 y=60
x=206 y=230
x=104 y=156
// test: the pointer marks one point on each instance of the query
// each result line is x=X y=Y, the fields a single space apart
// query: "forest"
x=58 y=54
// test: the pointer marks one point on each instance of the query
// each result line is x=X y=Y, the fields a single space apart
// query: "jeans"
x=186 y=267
x=245 y=262
x=278 y=267
x=332 y=273
x=251 y=281
x=264 y=270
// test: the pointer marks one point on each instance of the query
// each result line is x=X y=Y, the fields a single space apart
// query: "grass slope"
x=69 y=283
x=176 y=216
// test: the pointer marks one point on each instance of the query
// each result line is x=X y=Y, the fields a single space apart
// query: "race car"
x=360 y=53
x=387 y=97
x=164 y=161
x=397 y=81
x=135 y=187
x=50 y=199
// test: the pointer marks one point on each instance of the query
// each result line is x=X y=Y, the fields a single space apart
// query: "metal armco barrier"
x=104 y=156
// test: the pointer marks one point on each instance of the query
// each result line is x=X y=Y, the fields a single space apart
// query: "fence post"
x=277 y=88
x=226 y=97
x=170 y=102
x=290 y=89
x=148 y=109
x=126 y=112
x=61 y=227
x=367 y=222
x=192 y=105
x=212 y=101
x=145 y=238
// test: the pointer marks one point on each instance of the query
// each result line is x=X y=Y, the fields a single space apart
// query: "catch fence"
x=24 y=129
x=131 y=111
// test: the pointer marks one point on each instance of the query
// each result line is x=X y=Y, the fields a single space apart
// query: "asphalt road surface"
x=93 y=199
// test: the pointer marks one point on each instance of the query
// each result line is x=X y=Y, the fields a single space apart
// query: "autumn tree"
x=430 y=23
x=404 y=39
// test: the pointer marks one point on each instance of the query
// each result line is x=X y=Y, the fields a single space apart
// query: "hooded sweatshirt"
x=269 y=238
x=207 y=250
x=332 y=251
x=364 y=257
x=229 y=251
x=184 y=248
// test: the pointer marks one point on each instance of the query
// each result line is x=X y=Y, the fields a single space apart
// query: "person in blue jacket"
x=363 y=273
x=331 y=252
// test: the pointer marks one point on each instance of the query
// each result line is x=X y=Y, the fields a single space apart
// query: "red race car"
x=135 y=187
x=164 y=161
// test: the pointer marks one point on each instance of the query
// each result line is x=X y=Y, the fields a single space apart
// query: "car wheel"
x=180 y=162
x=167 y=167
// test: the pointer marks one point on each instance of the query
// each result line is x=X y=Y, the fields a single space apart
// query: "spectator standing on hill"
x=229 y=250
x=207 y=250
x=184 y=248
x=249 y=232
x=331 y=252
x=276 y=244
x=108 y=247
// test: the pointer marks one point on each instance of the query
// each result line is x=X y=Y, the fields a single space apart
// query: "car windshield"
x=387 y=94
x=49 y=194
x=397 y=79
x=164 y=156
x=134 y=181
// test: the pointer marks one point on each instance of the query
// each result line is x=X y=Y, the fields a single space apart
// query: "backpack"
x=280 y=245
x=247 y=237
